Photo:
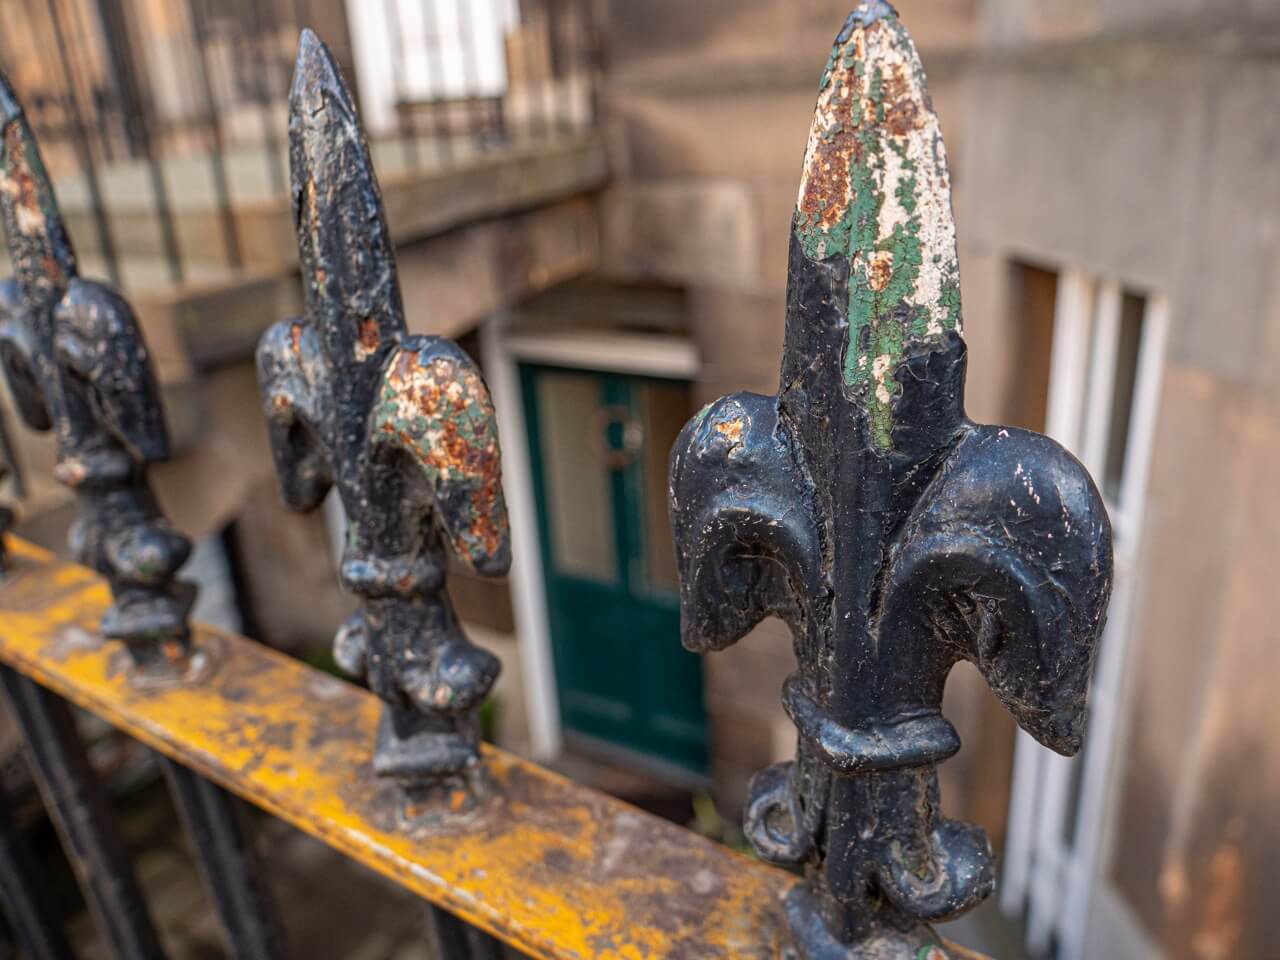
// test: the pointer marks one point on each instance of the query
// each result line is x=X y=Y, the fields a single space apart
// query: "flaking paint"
x=875 y=190
x=557 y=870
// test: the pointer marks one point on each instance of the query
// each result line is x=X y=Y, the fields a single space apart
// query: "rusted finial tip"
x=864 y=15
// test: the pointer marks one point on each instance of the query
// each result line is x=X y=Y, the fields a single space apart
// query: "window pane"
x=1034 y=302
x=579 y=508
x=1129 y=342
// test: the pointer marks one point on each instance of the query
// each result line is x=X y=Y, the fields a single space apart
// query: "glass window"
x=1133 y=310
x=579 y=506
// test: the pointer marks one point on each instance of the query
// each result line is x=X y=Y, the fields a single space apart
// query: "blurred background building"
x=594 y=197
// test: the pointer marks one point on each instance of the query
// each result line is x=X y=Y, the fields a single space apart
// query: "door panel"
x=579 y=497
x=599 y=445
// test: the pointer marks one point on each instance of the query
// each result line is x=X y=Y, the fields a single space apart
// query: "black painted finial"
x=403 y=427
x=76 y=363
x=895 y=536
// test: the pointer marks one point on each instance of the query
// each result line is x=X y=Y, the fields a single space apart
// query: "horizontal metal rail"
x=553 y=868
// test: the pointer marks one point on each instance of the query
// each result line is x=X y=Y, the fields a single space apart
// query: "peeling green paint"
x=876 y=191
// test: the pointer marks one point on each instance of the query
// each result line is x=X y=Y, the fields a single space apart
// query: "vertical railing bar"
x=271 y=143
x=140 y=127
x=217 y=157
x=82 y=33
x=559 y=25
x=549 y=86
x=216 y=823
x=583 y=62
x=470 y=75
x=575 y=61
x=537 y=121
x=79 y=808
x=435 y=69
x=525 y=120
x=80 y=135
x=406 y=126
x=184 y=123
x=595 y=55
x=25 y=894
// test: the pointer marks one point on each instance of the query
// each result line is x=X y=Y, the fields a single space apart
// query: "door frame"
x=501 y=352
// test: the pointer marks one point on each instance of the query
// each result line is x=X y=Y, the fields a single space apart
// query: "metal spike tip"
x=336 y=196
x=317 y=77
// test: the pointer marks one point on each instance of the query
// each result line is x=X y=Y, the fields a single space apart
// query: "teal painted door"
x=599 y=445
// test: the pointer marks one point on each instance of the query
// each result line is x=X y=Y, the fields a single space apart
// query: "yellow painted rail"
x=553 y=868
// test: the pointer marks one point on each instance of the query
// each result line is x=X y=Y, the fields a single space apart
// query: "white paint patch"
x=30 y=222
x=910 y=162
x=879 y=369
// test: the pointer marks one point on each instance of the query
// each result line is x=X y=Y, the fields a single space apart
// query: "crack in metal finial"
x=894 y=536
x=403 y=427
x=76 y=363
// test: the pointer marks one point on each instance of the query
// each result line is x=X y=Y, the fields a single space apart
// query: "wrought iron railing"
x=858 y=504
x=163 y=121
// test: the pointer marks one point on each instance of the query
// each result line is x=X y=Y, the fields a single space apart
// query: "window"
x=1105 y=360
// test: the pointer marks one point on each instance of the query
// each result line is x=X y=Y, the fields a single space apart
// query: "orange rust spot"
x=903 y=115
x=369 y=338
x=455 y=447
x=483 y=528
x=402 y=372
x=295 y=339
x=311 y=211
x=880 y=271
x=730 y=429
x=826 y=191
x=825 y=197
x=19 y=170
x=428 y=397
x=895 y=85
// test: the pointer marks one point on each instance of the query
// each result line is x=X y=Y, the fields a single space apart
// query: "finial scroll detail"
x=77 y=364
x=402 y=426
x=892 y=534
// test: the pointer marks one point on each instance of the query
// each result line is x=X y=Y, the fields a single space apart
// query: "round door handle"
x=632 y=436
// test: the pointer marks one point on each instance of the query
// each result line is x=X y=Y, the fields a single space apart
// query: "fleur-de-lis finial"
x=76 y=363
x=403 y=427
x=895 y=536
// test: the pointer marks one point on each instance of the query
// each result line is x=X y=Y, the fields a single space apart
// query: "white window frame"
x=430 y=67
x=1056 y=883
